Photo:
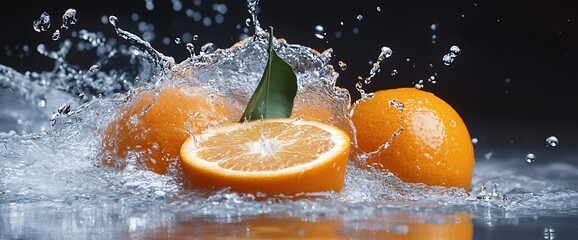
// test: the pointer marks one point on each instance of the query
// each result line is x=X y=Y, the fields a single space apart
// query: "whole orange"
x=154 y=125
x=428 y=141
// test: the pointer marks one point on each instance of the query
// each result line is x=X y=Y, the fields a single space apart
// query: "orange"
x=429 y=142
x=155 y=123
x=270 y=156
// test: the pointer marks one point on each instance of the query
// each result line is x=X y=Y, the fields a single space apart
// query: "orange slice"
x=270 y=156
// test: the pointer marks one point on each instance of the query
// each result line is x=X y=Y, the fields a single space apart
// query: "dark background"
x=514 y=82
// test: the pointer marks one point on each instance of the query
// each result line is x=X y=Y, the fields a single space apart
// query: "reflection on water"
x=53 y=187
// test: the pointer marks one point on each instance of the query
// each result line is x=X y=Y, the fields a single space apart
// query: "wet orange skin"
x=154 y=125
x=433 y=146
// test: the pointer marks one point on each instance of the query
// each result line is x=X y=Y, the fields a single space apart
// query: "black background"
x=532 y=43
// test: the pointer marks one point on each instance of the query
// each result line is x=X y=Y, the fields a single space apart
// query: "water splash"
x=50 y=170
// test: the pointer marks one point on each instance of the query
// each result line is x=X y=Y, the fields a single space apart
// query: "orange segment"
x=271 y=156
x=433 y=146
x=156 y=123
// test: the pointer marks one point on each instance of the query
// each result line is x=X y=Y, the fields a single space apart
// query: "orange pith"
x=156 y=123
x=271 y=156
x=433 y=145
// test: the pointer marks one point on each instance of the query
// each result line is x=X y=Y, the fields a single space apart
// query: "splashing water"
x=50 y=138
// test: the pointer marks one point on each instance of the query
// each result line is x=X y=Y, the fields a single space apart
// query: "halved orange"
x=270 y=156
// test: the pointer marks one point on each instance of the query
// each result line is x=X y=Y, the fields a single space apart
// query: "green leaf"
x=276 y=91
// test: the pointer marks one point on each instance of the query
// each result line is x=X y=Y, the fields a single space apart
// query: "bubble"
x=320 y=32
x=488 y=155
x=394 y=72
x=434 y=26
x=530 y=158
x=378 y=8
x=474 y=141
x=552 y=141
x=195 y=37
x=359 y=17
x=177 y=40
x=43 y=23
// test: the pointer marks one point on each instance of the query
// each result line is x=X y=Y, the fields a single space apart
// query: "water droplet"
x=113 y=21
x=418 y=86
x=94 y=68
x=552 y=141
x=342 y=65
x=64 y=108
x=195 y=37
x=488 y=155
x=434 y=26
x=397 y=105
x=81 y=95
x=320 y=32
x=56 y=35
x=359 y=17
x=394 y=72
x=530 y=158
x=455 y=50
x=508 y=80
x=177 y=40
x=341 y=23
x=355 y=31
x=474 y=141
x=378 y=8
x=549 y=233
x=41 y=103
x=69 y=18
x=191 y=48
x=449 y=58
x=43 y=23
